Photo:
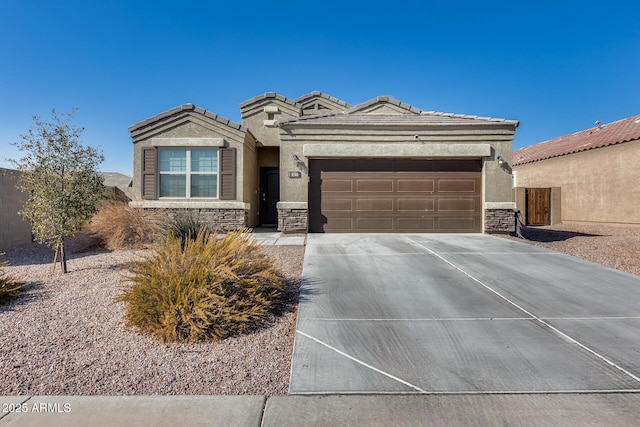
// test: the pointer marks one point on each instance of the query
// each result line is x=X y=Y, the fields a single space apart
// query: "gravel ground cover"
x=66 y=336
x=612 y=246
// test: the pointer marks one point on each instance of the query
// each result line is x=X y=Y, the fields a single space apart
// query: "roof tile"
x=609 y=134
x=185 y=107
x=269 y=95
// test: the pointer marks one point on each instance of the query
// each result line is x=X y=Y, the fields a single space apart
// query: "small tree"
x=62 y=181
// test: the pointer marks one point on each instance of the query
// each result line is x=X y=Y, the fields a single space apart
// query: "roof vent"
x=598 y=124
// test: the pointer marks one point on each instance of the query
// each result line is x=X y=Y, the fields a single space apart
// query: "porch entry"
x=538 y=206
x=269 y=195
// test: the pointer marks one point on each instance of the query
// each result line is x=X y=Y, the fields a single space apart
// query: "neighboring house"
x=318 y=164
x=118 y=186
x=588 y=176
x=13 y=229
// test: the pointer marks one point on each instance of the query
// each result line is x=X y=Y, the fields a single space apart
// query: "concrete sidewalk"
x=272 y=237
x=564 y=409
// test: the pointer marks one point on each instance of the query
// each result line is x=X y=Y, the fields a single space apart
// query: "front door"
x=538 y=206
x=269 y=195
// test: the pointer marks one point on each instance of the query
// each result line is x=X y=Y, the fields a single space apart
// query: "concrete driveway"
x=448 y=314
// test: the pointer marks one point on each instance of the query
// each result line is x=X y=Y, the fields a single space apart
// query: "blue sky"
x=555 y=66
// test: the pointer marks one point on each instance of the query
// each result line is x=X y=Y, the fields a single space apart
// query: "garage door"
x=394 y=195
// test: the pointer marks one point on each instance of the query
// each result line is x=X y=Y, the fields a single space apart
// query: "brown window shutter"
x=149 y=173
x=227 y=174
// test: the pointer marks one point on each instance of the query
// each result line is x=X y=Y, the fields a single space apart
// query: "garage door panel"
x=458 y=224
x=340 y=224
x=418 y=204
x=409 y=225
x=337 y=205
x=375 y=205
x=457 y=205
x=387 y=195
x=415 y=185
x=457 y=186
x=338 y=186
x=374 y=224
x=374 y=185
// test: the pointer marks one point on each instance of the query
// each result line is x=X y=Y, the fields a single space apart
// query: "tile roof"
x=115 y=179
x=269 y=95
x=303 y=98
x=186 y=107
x=610 y=134
x=381 y=99
x=425 y=118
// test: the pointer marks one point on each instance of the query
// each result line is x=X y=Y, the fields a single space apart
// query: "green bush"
x=208 y=288
x=9 y=288
x=186 y=224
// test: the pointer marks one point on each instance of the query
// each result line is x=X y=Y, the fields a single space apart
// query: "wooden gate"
x=538 y=206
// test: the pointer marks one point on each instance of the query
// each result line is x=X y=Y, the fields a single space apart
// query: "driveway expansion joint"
x=360 y=362
x=533 y=316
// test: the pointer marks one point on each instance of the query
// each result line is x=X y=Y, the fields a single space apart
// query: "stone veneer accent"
x=220 y=219
x=292 y=220
x=499 y=220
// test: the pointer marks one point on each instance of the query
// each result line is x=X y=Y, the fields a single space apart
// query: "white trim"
x=396 y=150
x=292 y=205
x=188 y=142
x=187 y=204
x=500 y=205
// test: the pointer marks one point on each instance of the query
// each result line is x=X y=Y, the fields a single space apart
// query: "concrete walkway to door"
x=462 y=314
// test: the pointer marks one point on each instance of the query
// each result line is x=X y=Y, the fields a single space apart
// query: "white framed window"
x=188 y=173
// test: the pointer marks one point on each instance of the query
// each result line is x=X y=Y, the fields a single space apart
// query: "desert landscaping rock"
x=614 y=246
x=66 y=336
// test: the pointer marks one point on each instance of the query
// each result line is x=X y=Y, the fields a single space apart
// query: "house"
x=117 y=186
x=316 y=163
x=587 y=176
x=13 y=229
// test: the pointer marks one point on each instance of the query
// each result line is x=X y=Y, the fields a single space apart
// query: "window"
x=188 y=173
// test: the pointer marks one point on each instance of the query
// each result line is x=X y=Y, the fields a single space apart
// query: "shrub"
x=9 y=288
x=117 y=225
x=185 y=224
x=207 y=288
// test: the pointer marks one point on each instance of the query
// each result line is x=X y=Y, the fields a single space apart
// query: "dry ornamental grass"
x=67 y=335
x=202 y=289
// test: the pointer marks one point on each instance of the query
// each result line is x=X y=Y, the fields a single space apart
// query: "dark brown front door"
x=395 y=195
x=538 y=204
x=269 y=195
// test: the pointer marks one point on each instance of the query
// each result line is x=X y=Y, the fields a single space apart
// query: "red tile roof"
x=610 y=134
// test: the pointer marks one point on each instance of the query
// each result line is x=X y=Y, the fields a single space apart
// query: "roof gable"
x=384 y=105
x=256 y=105
x=320 y=103
x=600 y=136
x=178 y=116
x=268 y=96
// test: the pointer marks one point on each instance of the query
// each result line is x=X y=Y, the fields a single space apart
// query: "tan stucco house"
x=587 y=176
x=13 y=229
x=316 y=163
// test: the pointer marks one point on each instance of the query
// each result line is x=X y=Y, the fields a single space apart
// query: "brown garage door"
x=393 y=195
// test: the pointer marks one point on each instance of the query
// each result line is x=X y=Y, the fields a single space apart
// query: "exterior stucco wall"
x=254 y=117
x=599 y=185
x=249 y=177
x=496 y=179
x=196 y=127
x=13 y=229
